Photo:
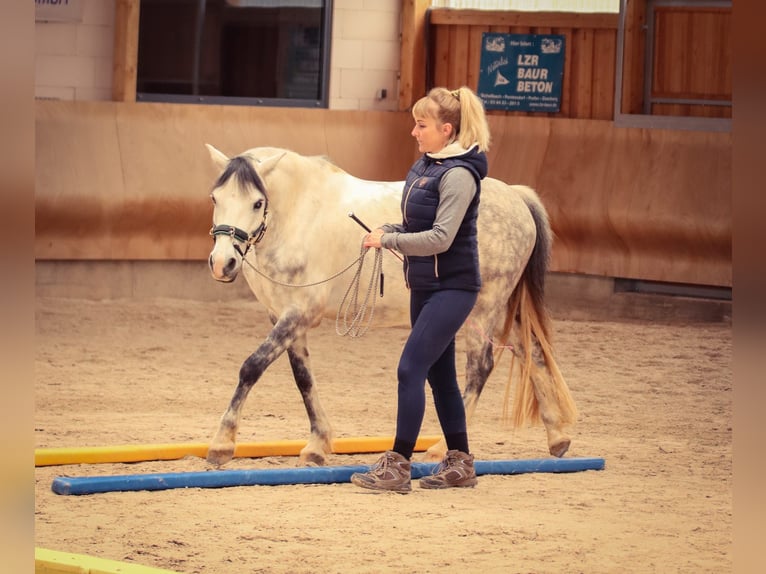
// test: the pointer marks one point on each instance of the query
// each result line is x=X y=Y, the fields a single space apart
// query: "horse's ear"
x=267 y=164
x=219 y=158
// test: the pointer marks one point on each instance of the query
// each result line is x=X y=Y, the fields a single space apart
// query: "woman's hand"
x=373 y=238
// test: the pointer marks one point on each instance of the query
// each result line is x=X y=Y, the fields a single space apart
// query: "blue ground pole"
x=299 y=475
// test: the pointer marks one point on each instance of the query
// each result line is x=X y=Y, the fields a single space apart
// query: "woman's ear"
x=448 y=130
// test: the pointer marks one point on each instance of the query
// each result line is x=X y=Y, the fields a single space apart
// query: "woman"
x=440 y=206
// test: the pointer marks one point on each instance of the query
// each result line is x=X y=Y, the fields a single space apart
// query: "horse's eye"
x=212 y=198
x=258 y=204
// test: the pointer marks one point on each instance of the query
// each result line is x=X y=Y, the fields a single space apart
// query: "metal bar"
x=619 y=64
x=198 y=45
x=649 y=57
x=694 y=3
x=691 y=101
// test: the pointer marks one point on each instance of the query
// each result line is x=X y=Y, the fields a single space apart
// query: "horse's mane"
x=241 y=168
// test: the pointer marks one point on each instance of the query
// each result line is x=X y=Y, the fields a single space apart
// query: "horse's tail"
x=527 y=307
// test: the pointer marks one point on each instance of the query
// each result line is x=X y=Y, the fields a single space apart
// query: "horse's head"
x=240 y=210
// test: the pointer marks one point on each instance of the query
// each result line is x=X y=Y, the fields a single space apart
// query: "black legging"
x=429 y=354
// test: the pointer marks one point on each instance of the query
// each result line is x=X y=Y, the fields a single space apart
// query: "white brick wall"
x=365 y=54
x=73 y=61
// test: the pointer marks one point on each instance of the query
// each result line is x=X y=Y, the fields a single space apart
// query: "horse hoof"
x=312 y=459
x=560 y=447
x=220 y=455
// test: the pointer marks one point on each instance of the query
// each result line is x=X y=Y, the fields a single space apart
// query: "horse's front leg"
x=320 y=440
x=281 y=336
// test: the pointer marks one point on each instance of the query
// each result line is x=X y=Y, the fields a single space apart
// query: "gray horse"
x=283 y=220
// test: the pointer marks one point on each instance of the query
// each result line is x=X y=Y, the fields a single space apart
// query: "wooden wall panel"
x=441 y=58
x=692 y=56
x=580 y=67
x=125 y=181
x=474 y=54
x=692 y=59
x=633 y=60
x=604 y=61
x=567 y=100
x=460 y=36
x=649 y=204
x=588 y=84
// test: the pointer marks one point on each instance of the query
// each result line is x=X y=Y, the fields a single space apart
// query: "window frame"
x=624 y=120
x=324 y=81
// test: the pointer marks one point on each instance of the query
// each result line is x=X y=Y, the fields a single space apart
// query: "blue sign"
x=521 y=72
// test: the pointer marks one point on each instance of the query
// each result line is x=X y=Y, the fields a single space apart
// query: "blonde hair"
x=462 y=108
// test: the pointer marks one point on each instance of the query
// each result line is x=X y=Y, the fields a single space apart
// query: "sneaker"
x=456 y=470
x=391 y=472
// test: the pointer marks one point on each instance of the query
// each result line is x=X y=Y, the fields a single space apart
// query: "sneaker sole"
x=378 y=488
x=430 y=486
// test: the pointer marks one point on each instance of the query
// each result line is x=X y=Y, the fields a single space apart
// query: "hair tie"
x=456 y=94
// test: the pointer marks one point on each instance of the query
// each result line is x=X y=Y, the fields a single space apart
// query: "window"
x=674 y=64
x=249 y=52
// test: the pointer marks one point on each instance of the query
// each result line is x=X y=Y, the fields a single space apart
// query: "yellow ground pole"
x=54 y=562
x=138 y=453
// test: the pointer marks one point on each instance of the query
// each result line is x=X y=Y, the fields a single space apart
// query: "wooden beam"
x=447 y=16
x=125 y=60
x=412 y=76
x=633 y=59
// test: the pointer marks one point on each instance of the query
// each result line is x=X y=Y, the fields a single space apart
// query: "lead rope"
x=355 y=327
x=350 y=305
x=314 y=284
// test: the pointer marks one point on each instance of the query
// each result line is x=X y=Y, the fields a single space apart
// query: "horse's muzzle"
x=224 y=273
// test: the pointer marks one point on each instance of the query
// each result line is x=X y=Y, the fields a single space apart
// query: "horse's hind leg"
x=549 y=401
x=479 y=364
x=550 y=411
x=320 y=441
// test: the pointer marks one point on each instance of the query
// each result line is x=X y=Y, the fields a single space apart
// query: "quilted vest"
x=458 y=267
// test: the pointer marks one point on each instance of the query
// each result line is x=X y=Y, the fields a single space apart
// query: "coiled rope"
x=350 y=305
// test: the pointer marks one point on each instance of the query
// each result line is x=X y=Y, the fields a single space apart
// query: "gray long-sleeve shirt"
x=456 y=190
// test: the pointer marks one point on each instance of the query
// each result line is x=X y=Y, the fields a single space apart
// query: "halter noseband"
x=249 y=239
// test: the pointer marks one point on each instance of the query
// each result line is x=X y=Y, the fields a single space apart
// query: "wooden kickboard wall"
x=130 y=181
